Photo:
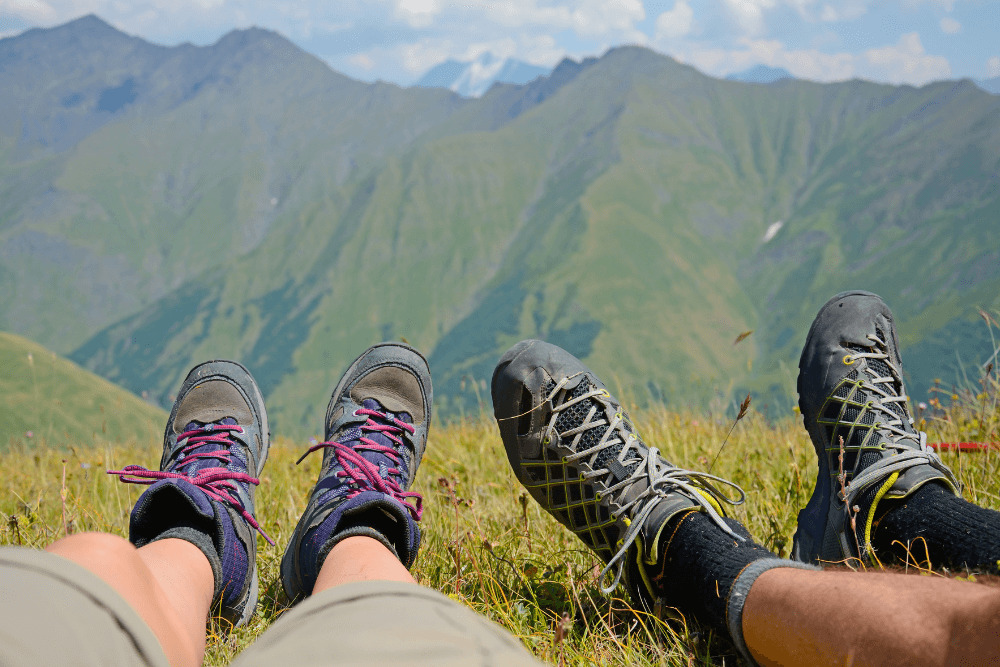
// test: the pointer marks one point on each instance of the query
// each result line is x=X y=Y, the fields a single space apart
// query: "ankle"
x=706 y=573
x=360 y=558
x=377 y=518
x=175 y=509
x=932 y=527
x=699 y=563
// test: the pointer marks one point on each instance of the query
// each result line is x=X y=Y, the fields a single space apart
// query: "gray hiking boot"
x=376 y=430
x=854 y=406
x=576 y=451
x=214 y=449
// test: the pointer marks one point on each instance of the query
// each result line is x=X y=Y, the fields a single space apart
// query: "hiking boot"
x=577 y=453
x=854 y=406
x=214 y=449
x=376 y=430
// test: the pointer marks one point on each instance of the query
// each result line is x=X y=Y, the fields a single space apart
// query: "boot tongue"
x=209 y=461
x=383 y=462
x=195 y=425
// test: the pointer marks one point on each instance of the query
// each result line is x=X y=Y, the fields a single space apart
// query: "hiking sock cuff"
x=205 y=544
x=738 y=595
x=933 y=524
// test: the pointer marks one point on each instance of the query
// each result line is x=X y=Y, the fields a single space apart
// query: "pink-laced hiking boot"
x=376 y=430
x=214 y=449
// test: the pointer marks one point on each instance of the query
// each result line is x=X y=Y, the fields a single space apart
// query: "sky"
x=893 y=41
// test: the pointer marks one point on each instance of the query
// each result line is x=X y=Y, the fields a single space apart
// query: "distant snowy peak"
x=761 y=74
x=472 y=79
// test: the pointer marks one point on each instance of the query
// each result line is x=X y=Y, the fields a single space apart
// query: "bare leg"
x=801 y=617
x=360 y=558
x=168 y=582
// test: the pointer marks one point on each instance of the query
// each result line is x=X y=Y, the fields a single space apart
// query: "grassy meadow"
x=486 y=543
x=47 y=398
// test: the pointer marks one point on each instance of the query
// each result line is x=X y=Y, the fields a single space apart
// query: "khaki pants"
x=54 y=612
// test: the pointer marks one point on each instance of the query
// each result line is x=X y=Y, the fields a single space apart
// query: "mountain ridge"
x=627 y=207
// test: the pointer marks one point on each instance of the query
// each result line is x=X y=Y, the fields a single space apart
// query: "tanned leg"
x=168 y=582
x=360 y=558
x=801 y=617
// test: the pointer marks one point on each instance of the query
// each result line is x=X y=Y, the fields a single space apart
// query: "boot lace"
x=663 y=478
x=359 y=473
x=909 y=447
x=215 y=481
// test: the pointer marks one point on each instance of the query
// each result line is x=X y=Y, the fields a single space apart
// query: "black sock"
x=936 y=524
x=699 y=564
x=707 y=573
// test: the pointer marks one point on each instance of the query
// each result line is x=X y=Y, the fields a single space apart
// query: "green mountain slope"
x=61 y=404
x=629 y=208
x=193 y=168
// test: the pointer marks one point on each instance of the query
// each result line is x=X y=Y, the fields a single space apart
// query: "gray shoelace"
x=909 y=447
x=663 y=478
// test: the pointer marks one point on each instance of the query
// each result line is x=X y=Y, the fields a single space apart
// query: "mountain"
x=51 y=400
x=472 y=79
x=991 y=86
x=627 y=207
x=137 y=166
x=761 y=74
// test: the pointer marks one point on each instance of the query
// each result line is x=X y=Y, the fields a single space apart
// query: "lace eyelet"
x=546 y=440
x=848 y=359
x=605 y=393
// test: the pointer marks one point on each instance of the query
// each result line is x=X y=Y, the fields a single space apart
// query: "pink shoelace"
x=216 y=482
x=361 y=473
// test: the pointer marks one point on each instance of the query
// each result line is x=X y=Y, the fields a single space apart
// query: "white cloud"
x=950 y=26
x=418 y=56
x=208 y=4
x=946 y=5
x=749 y=14
x=903 y=62
x=906 y=62
x=844 y=11
x=675 y=22
x=802 y=63
x=993 y=66
x=363 y=61
x=535 y=31
x=599 y=17
x=418 y=13
x=585 y=17
x=32 y=11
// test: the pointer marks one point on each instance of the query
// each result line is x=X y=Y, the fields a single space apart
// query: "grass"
x=485 y=543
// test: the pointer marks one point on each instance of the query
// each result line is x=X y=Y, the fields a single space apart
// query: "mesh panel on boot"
x=569 y=497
